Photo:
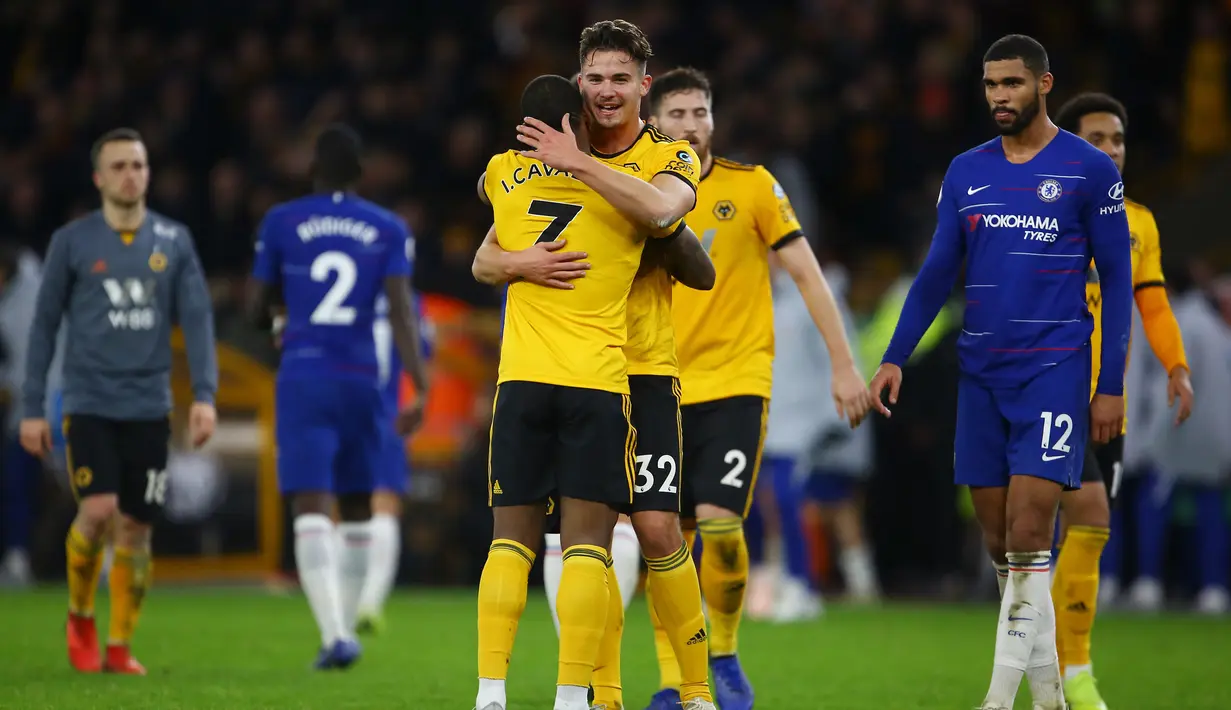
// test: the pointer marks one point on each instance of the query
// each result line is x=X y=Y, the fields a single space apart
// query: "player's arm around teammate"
x=120 y=277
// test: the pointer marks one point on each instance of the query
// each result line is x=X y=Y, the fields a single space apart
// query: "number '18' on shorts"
x=1036 y=429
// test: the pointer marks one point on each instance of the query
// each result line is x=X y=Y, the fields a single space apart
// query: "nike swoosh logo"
x=1052 y=458
x=973 y=190
x=1019 y=618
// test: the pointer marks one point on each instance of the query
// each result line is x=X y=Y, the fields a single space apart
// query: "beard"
x=1021 y=119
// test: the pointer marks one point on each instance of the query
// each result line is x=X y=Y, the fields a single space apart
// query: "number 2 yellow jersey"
x=1147 y=272
x=651 y=341
x=571 y=337
x=726 y=336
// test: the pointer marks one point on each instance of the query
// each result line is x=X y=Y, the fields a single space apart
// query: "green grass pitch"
x=246 y=649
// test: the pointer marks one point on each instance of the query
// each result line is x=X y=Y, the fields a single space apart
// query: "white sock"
x=626 y=557
x=1002 y=576
x=572 y=697
x=1024 y=618
x=1043 y=668
x=316 y=558
x=1071 y=672
x=553 y=568
x=355 y=546
x=384 y=553
x=859 y=573
x=491 y=691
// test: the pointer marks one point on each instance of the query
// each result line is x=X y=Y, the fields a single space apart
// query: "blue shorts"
x=831 y=487
x=394 y=472
x=331 y=435
x=1037 y=429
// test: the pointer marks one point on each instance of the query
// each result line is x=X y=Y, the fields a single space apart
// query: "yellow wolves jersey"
x=651 y=342
x=1147 y=272
x=726 y=335
x=576 y=337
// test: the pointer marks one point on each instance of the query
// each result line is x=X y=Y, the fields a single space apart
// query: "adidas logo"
x=1078 y=607
x=496 y=488
x=697 y=638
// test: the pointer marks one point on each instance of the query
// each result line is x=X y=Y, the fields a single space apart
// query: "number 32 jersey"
x=331 y=252
x=572 y=337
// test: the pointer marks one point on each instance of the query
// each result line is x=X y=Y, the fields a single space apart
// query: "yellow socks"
x=606 y=682
x=85 y=563
x=502 y=599
x=675 y=607
x=581 y=605
x=1075 y=592
x=131 y=575
x=724 y=578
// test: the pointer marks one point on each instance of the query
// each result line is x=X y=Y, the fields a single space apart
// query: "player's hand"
x=850 y=396
x=202 y=419
x=1106 y=417
x=411 y=416
x=544 y=264
x=887 y=375
x=36 y=436
x=1180 y=387
x=556 y=148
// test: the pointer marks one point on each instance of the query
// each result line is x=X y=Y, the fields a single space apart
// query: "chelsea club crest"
x=1049 y=190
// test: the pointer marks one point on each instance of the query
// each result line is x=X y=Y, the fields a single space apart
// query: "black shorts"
x=1104 y=464
x=125 y=458
x=656 y=415
x=552 y=439
x=722 y=447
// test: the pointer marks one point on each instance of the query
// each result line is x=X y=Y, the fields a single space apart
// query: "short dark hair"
x=337 y=160
x=618 y=36
x=1020 y=47
x=675 y=81
x=550 y=96
x=115 y=135
x=1070 y=114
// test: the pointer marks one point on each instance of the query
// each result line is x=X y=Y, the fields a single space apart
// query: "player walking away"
x=119 y=278
x=331 y=256
x=1026 y=211
x=392 y=476
x=726 y=349
x=1085 y=512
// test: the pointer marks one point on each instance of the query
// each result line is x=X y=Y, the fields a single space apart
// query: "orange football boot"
x=119 y=660
x=82 y=639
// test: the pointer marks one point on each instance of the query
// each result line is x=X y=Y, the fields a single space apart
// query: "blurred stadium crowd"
x=855 y=106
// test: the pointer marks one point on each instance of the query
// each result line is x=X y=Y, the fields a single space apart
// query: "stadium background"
x=855 y=106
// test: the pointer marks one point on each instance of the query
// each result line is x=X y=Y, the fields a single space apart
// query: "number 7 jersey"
x=331 y=252
x=572 y=337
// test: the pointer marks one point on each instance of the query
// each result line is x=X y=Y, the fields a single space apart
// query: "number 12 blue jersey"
x=331 y=253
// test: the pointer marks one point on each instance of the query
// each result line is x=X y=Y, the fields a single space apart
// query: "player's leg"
x=838 y=493
x=764 y=540
x=144 y=450
x=625 y=560
x=308 y=446
x=20 y=476
x=730 y=433
x=1048 y=426
x=1085 y=528
x=597 y=449
x=796 y=600
x=520 y=479
x=384 y=556
x=676 y=600
x=93 y=460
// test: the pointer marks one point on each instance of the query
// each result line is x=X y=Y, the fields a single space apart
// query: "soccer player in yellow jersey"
x=1085 y=513
x=725 y=343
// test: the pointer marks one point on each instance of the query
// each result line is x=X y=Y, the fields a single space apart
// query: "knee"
x=1087 y=507
x=1029 y=530
x=995 y=543
x=133 y=534
x=355 y=507
x=94 y=514
x=387 y=503
x=658 y=533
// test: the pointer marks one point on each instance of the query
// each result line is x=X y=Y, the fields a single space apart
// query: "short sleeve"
x=1144 y=233
x=676 y=158
x=775 y=218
